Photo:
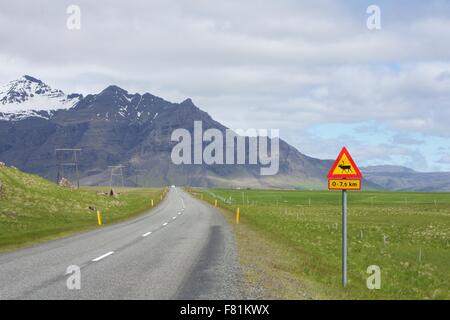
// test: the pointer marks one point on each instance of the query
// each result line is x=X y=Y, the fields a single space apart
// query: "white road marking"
x=173 y=218
x=165 y=224
x=146 y=234
x=179 y=213
x=103 y=256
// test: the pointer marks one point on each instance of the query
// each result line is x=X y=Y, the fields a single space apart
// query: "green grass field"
x=33 y=209
x=295 y=237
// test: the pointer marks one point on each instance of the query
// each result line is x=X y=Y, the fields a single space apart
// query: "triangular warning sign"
x=344 y=167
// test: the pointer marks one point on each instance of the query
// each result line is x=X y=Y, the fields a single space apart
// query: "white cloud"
x=281 y=64
x=445 y=159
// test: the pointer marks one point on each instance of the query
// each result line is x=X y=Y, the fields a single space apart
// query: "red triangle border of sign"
x=344 y=176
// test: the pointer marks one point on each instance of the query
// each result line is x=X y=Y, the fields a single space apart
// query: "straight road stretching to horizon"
x=183 y=249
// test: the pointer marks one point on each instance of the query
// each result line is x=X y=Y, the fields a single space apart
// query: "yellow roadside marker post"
x=237 y=216
x=99 y=218
x=152 y=203
x=215 y=203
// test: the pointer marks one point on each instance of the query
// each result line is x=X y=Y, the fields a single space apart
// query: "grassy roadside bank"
x=34 y=210
x=289 y=242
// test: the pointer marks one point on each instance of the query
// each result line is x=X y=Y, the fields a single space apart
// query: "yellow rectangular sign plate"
x=344 y=184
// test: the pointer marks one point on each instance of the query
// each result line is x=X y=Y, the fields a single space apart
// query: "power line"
x=71 y=161
x=116 y=171
x=140 y=173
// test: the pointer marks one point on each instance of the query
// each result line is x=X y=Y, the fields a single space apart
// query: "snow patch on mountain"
x=30 y=97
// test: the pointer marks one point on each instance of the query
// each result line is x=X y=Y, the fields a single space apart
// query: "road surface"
x=183 y=249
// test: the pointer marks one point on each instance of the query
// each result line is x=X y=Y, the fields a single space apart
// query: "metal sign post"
x=344 y=238
x=344 y=175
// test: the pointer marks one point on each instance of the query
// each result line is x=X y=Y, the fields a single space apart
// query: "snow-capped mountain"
x=28 y=96
x=115 y=127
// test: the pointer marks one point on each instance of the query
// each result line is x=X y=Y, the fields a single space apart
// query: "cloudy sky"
x=309 y=68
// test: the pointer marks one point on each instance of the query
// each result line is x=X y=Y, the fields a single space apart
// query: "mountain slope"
x=116 y=127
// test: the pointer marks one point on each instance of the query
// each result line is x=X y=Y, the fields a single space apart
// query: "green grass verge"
x=406 y=234
x=34 y=210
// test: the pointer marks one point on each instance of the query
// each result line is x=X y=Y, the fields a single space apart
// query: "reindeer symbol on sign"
x=345 y=168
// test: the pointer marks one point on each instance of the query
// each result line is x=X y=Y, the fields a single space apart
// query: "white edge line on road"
x=179 y=213
x=165 y=224
x=146 y=234
x=173 y=218
x=103 y=256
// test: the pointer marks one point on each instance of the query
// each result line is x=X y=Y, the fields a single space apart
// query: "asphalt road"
x=183 y=249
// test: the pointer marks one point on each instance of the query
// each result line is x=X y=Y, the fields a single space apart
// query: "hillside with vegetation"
x=33 y=209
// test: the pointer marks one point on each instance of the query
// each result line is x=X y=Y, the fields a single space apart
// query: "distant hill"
x=405 y=179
